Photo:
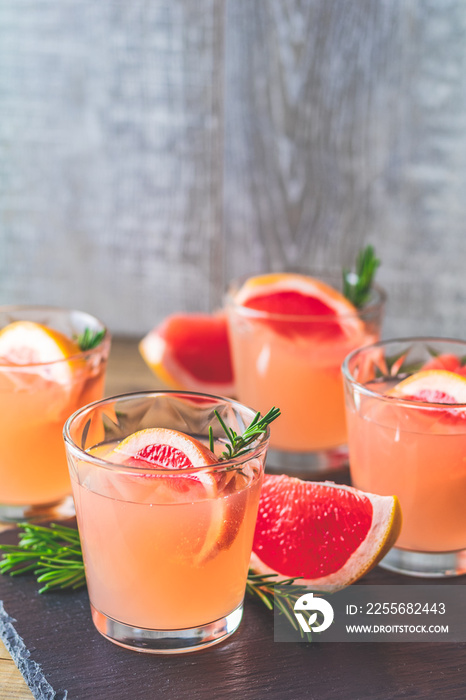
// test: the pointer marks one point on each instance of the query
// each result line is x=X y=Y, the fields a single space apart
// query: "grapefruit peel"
x=168 y=453
x=30 y=346
x=141 y=449
x=260 y=287
x=160 y=449
x=182 y=350
x=382 y=535
x=447 y=361
x=432 y=386
x=137 y=443
x=226 y=517
x=264 y=285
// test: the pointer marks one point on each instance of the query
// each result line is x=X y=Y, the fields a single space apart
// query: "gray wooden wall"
x=150 y=150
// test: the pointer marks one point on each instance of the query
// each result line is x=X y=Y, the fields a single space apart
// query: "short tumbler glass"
x=412 y=449
x=166 y=551
x=35 y=400
x=294 y=362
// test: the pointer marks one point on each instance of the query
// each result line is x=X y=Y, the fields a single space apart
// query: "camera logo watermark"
x=307 y=603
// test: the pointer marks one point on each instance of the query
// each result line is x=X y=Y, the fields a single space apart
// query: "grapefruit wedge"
x=170 y=452
x=325 y=533
x=162 y=448
x=289 y=297
x=191 y=352
x=432 y=386
x=446 y=361
x=26 y=343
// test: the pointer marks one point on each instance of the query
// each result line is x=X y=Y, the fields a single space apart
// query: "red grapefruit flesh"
x=325 y=533
x=40 y=349
x=173 y=452
x=435 y=386
x=307 y=305
x=34 y=357
x=191 y=352
x=447 y=361
x=432 y=386
x=162 y=448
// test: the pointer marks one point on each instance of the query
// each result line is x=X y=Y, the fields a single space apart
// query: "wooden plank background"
x=152 y=150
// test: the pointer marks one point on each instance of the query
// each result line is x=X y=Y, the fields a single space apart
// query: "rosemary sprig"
x=53 y=555
x=269 y=591
x=88 y=339
x=357 y=285
x=237 y=444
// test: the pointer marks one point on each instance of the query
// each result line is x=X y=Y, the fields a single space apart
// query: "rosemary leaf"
x=357 y=285
x=237 y=445
x=88 y=339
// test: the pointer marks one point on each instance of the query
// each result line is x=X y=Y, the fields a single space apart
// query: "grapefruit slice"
x=26 y=343
x=299 y=296
x=162 y=448
x=326 y=533
x=191 y=352
x=432 y=386
x=173 y=451
x=446 y=361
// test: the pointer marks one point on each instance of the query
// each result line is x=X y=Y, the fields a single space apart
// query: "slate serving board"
x=52 y=640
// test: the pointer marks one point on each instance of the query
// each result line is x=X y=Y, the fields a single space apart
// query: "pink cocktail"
x=412 y=446
x=294 y=360
x=44 y=378
x=166 y=551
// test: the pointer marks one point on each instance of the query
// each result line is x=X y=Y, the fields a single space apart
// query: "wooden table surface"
x=126 y=372
x=356 y=671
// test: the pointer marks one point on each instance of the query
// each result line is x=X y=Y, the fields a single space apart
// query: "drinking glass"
x=412 y=449
x=294 y=362
x=166 y=551
x=35 y=401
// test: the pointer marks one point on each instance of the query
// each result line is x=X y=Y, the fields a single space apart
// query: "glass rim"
x=412 y=403
x=44 y=308
x=254 y=452
x=374 y=305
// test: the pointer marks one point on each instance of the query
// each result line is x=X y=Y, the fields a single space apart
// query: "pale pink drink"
x=166 y=551
x=294 y=361
x=414 y=449
x=36 y=398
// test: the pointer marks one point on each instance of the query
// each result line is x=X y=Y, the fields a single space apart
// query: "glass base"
x=307 y=465
x=167 y=641
x=425 y=564
x=36 y=513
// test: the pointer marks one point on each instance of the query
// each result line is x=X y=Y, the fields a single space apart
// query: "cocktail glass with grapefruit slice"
x=289 y=334
x=44 y=377
x=406 y=413
x=166 y=524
